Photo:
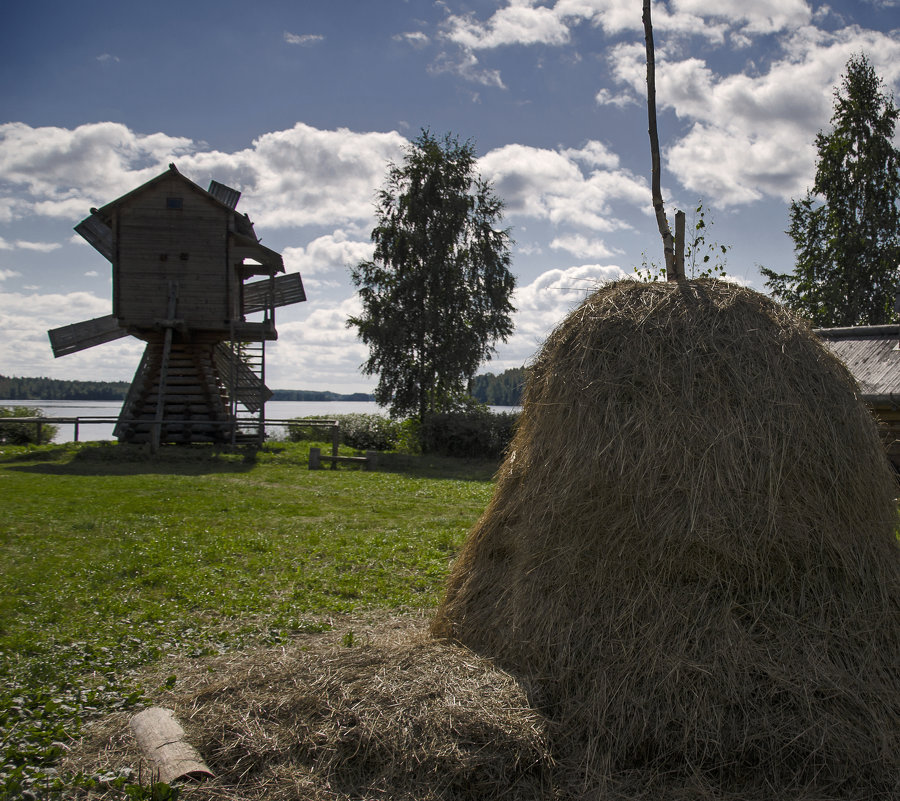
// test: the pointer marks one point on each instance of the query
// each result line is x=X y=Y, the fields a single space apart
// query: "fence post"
x=76 y=429
x=315 y=459
x=335 y=441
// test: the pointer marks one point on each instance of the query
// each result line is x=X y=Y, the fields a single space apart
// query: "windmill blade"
x=95 y=230
x=285 y=290
x=245 y=385
x=224 y=194
x=86 y=334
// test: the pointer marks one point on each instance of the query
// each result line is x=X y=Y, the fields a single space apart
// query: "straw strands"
x=690 y=558
x=396 y=716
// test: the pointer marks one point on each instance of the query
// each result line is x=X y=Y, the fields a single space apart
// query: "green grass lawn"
x=111 y=559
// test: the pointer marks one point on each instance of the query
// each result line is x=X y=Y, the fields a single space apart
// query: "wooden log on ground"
x=161 y=740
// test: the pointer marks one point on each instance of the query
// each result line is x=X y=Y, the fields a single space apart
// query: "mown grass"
x=110 y=560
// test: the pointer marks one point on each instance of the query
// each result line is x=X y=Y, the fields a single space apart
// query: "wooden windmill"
x=180 y=258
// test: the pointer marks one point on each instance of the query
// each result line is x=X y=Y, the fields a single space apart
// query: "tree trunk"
x=661 y=221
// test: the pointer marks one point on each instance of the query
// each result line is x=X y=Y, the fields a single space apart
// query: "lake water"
x=275 y=410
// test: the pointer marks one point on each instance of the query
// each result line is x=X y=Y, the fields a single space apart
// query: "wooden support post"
x=161 y=740
x=315 y=458
x=335 y=441
x=679 y=246
x=39 y=427
x=76 y=429
x=164 y=370
x=371 y=460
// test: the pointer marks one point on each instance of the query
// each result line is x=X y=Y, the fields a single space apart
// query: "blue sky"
x=301 y=105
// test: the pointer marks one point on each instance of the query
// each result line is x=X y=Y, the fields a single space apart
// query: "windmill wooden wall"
x=180 y=256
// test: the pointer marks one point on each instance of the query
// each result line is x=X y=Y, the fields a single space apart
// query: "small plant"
x=702 y=258
x=705 y=259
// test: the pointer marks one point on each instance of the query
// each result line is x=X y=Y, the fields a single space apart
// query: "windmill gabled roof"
x=871 y=354
x=242 y=223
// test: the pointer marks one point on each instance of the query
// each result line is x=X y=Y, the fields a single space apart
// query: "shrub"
x=24 y=433
x=474 y=432
x=360 y=431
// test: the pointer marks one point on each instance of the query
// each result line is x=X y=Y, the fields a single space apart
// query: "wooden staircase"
x=193 y=405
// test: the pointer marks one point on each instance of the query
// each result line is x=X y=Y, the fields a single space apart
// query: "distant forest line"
x=494 y=390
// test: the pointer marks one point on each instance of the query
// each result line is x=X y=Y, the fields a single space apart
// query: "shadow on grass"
x=438 y=467
x=111 y=458
x=105 y=458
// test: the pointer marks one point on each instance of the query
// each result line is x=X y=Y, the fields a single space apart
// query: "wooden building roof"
x=871 y=353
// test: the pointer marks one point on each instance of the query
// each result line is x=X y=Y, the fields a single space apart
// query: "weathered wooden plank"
x=86 y=334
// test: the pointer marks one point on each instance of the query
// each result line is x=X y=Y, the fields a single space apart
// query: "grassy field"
x=111 y=561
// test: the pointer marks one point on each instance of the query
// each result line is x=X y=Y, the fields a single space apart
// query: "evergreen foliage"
x=504 y=389
x=436 y=295
x=13 y=388
x=846 y=231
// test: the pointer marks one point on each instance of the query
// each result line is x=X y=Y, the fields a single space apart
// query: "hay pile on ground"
x=396 y=716
x=691 y=555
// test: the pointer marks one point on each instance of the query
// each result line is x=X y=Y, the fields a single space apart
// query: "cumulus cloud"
x=41 y=247
x=63 y=169
x=517 y=23
x=752 y=136
x=524 y=22
x=415 y=38
x=319 y=351
x=466 y=65
x=4 y=274
x=304 y=40
x=26 y=318
x=544 y=303
x=583 y=247
x=551 y=185
x=298 y=176
x=331 y=253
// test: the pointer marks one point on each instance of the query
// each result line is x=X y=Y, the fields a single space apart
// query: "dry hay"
x=691 y=555
x=396 y=716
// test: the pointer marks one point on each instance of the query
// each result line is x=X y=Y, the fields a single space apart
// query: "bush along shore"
x=473 y=433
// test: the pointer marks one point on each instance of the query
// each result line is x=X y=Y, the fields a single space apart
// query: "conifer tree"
x=846 y=231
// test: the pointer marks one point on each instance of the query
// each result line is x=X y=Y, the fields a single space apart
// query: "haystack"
x=691 y=555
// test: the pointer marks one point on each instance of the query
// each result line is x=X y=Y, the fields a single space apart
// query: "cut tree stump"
x=160 y=739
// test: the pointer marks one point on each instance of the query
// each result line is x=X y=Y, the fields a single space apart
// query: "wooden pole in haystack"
x=674 y=266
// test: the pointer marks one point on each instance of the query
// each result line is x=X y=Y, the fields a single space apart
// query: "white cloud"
x=108 y=58
x=752 y=136
x=582 y=247
x=41 y=247
x=25 y=320
x=304 y=40
x=523 y=22
x=319 y=352
x=330 y=253
x=605 y=97
x=4 y=274
x=466 y=65
x=298 y=176
x=415 y=38
x=549 y=184
x=62 y=169
x=91 y=274
x=544 y=303
x=517 y=23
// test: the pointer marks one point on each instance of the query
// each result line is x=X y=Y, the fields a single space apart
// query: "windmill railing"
x=230 y=425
